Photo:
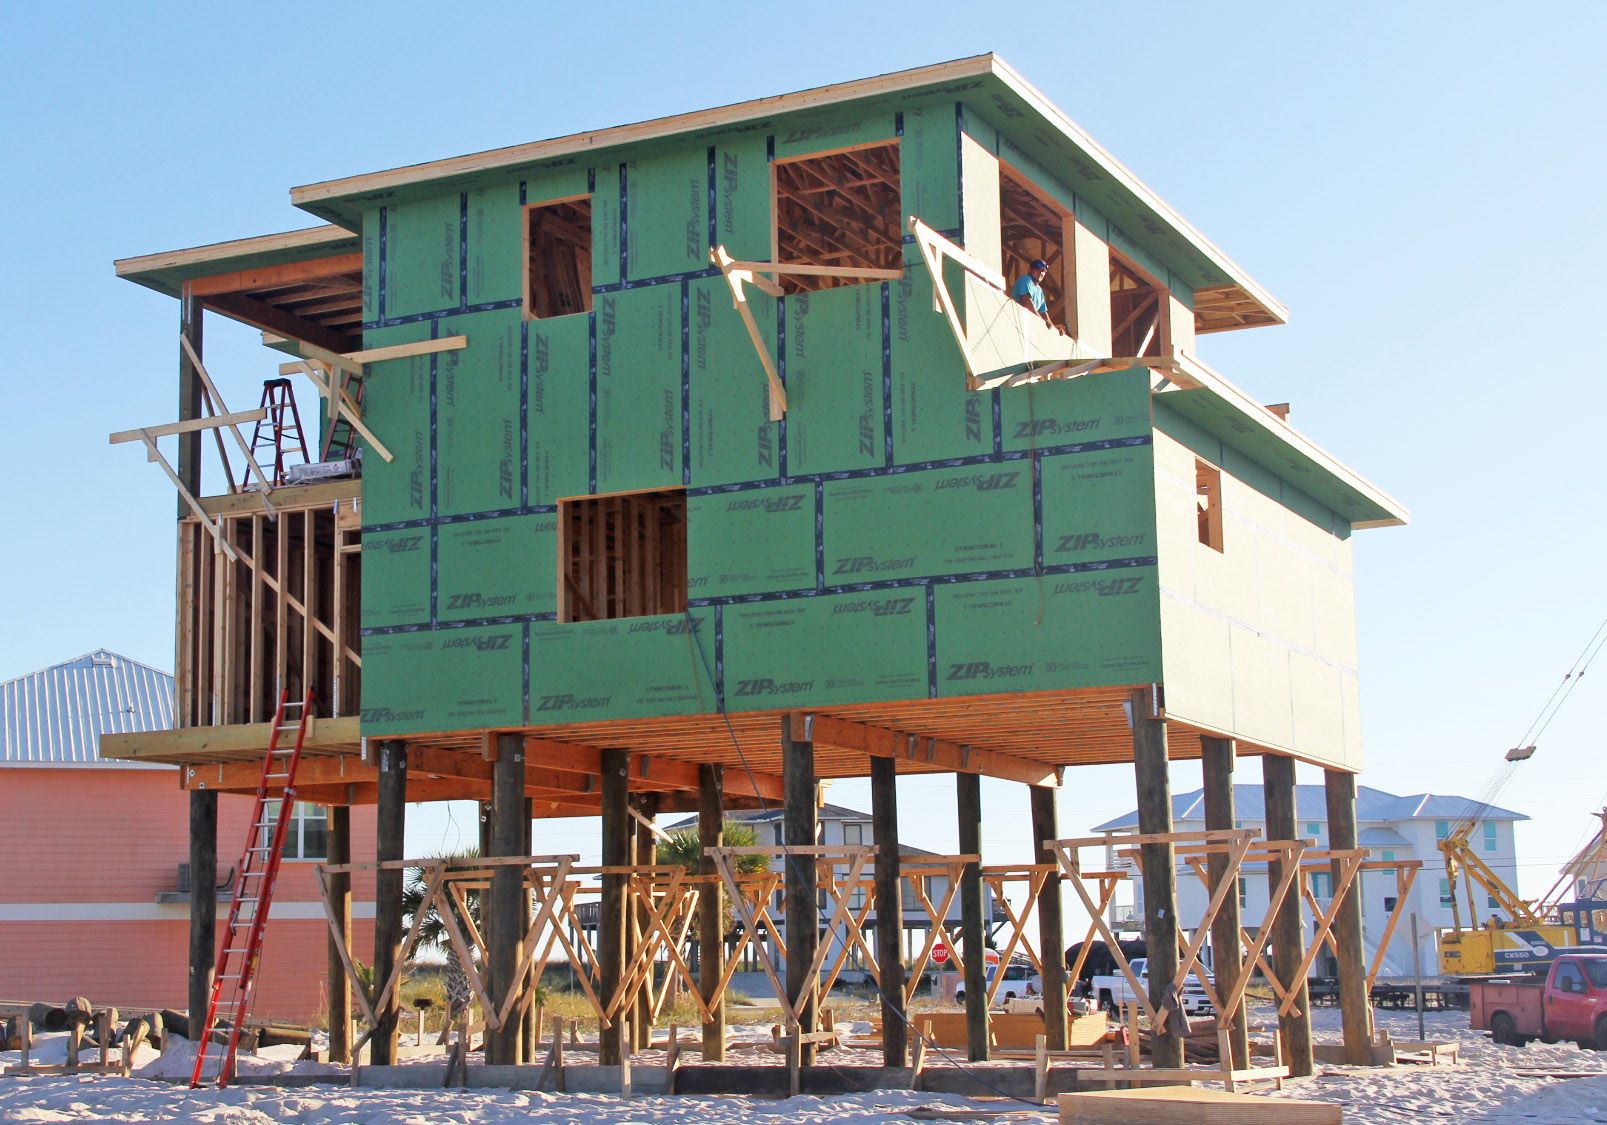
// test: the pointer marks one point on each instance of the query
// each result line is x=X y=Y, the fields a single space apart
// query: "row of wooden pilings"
x=627 y=840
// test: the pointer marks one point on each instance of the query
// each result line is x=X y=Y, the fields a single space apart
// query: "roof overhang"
x=302 y=284
x=1226 y=296
x=1229 y=413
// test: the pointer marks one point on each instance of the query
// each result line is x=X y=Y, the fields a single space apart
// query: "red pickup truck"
x=1571 y=1004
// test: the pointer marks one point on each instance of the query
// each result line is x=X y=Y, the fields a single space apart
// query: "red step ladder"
x=279 y=432
x=236 y=973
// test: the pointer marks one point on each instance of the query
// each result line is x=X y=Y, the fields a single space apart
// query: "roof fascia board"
x=1140 y=191
x=1389 y=512
x=318 y=197
x=167 y=270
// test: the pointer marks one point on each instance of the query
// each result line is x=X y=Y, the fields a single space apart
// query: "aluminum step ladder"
x=236 y=972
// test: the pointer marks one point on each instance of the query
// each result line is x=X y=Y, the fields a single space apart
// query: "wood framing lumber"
x=239 y=739
x=287 y=273
x=736 y=278
x=347 y=409
x=937 y=753
x=222 y=411
x=168 y=428
x=1170 y=1104
x=260 y=314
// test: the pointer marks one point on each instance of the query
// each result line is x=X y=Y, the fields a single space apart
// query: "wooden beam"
x=711 y=911
x=1288 y=928
x=244 y=777
x=390 y=827
x=260 y=314
x=937 y=753
x=263 y=277
x=243 y=739
x=203 y=898
x=799 y=827
x=647 y=771
x=188 y=426
x=890 y=975
x=340 y=893
x=968 y=804
x=1349 y=948
x=616 y=832
x=1158 y=859
x=505 y=928
x=1051 y=922
x=1228 y=952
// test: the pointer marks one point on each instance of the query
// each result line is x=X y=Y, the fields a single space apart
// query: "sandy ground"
x=1493 y=1084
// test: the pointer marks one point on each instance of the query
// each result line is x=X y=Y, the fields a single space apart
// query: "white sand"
x=1494 y=1084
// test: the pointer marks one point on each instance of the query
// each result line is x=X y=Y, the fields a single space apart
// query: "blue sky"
x=1419 y=183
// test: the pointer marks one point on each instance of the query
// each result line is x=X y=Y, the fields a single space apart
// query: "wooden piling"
x=1226 y=949
x=203 y=900
x=889 y=906
x=646 y=853
x=1051 y=922
x=504 y=926
x=1355 y=1016
x=711 y=908
x=340 y=892
x=1159 y=863
x=1288 y=931
x=611 y=921
x=968 y=800
x=390 y=824
x=799 y=828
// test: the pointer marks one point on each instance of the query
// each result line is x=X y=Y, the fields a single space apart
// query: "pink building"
x=94 y=898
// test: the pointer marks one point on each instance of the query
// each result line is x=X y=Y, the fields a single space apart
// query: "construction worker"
x=1028 y=292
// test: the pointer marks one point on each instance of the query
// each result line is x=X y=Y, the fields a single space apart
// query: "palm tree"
x=432 y=932
x=684 y=848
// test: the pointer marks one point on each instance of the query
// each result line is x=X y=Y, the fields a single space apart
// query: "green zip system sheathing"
x=893 y=537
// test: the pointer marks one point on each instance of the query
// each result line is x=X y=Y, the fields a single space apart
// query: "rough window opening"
x=622 y=555
x=557 y=251
x=1031 y=227
x=1208 y=499
x=1136 y=309
x=840 y=209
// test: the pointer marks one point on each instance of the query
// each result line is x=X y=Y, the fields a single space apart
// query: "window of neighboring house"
x=1314 y=829
x=1489 y=835
x=1208 y=501
x=854 y=834
x=1322 y=885
x=1032 y=227
x=1389 y=903
x=1445 y=892
x=557 y=257
x=307 y=834
x=1388 y=854
x=622 y=555
x=1244 y=894
x=1137 y=311
x=841 y=209
x=1491 y=900
x=1442 y=829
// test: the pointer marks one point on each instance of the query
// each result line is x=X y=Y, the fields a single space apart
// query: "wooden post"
x=611 y=920
x=203 y=901
x=1340 y=789
x=504 y=926
x=968 y=799
x=531 y=1040
x=1288 y=930
x=390 y=815
x=1051 y=924
x=889 y=906
x=1227 y=952
x=711 y=905
x=799 y=828
x=340 y=889
x=646 y=853
x=1159 y=863
x=189 y=460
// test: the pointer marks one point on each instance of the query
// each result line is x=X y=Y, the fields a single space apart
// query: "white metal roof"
x=55 y=717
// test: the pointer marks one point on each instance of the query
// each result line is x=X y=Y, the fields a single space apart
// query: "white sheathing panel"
x=1259 y=639
x=979 y=200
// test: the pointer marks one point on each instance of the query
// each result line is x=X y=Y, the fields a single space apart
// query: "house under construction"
x=682 y=465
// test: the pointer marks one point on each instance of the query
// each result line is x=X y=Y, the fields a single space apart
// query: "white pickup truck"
x=1111 y=991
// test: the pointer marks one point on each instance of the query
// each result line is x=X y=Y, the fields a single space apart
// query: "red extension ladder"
x=236 y=971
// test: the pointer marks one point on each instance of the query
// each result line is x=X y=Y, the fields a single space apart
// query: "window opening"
x=1135 y=311
x=1489 y=836
x=839 y=209
x=622 y=555
x=557 y=252
x=1030 y=227
x=1208 y=500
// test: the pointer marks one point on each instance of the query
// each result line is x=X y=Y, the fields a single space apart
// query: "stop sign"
x=940 y=954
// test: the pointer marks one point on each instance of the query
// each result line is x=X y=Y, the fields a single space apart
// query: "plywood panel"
x=1261 y=705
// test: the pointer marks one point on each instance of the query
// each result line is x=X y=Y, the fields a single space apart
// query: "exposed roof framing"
x=839 y=209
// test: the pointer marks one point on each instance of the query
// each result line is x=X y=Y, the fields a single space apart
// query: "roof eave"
x=167 y=270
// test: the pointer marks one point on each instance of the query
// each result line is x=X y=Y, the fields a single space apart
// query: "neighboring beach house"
x=94 y=898
x=1395 y=828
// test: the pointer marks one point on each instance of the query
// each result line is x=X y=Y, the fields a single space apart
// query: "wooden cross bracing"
x=1232 y=843
x=997 y=879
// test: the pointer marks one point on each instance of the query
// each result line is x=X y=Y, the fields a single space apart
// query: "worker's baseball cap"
x=1039 y=264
